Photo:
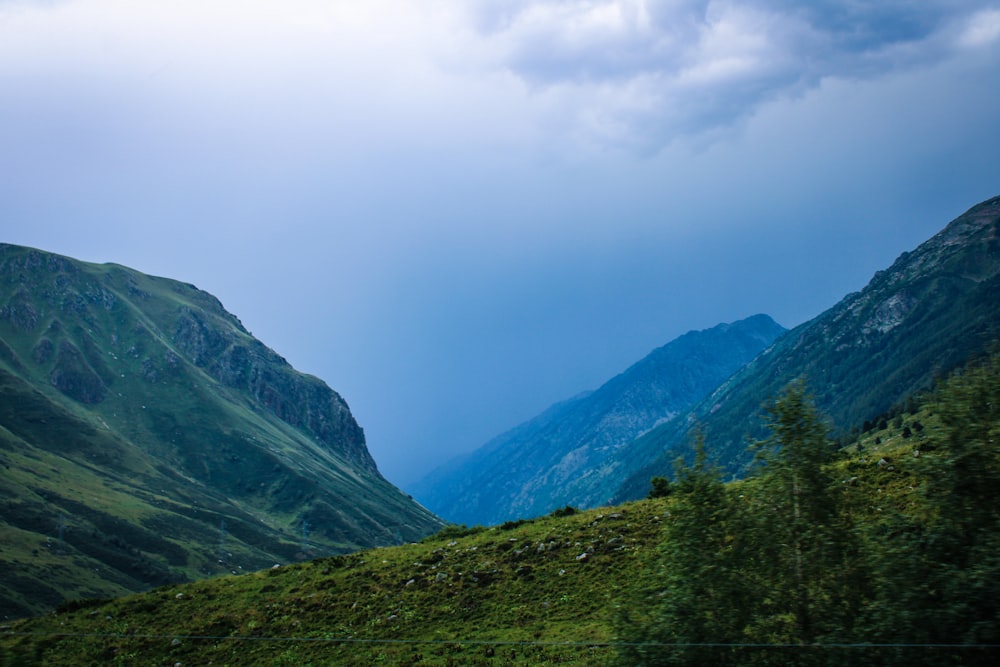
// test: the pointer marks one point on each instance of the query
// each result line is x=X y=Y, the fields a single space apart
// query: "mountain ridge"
x=148 y=437
x=560 y=456
x=929 y=312
x=590 y=587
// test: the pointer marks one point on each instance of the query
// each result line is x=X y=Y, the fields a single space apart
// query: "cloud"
x=982 y=29
x=576 y=74
x=437 y=206
x=640 y=73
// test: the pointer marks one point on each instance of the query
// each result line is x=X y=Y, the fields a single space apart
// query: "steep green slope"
x=566 y=455
x=932 y=310
x=148 y=437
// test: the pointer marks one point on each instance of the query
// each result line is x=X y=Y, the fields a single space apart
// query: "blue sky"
x=457 y=212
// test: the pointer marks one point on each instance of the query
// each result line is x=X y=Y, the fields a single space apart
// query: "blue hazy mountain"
x=567 y=454
x=933 y=310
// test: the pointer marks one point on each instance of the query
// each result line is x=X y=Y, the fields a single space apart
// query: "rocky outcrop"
x=240 y=362
x=74 y=377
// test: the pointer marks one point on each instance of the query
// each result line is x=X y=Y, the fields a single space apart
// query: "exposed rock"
x=243 y=363
x=20 y=312
x=75 y=378
x=43 y=351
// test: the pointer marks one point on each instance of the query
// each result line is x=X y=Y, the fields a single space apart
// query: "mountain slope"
x=147 y=437
x=928 y=313
x=564 y=456
x=564 y=589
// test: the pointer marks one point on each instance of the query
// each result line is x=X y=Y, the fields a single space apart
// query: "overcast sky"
x=457 y=212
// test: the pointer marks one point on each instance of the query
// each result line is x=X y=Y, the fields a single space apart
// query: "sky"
x=458 y=212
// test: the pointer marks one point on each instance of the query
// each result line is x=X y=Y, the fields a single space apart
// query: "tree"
x=806 y=556
x=939 y=566
x=660 y=487
x=702 y=598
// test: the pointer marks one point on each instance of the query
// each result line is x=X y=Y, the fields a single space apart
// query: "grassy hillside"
x=554 y=590
x=485 y=596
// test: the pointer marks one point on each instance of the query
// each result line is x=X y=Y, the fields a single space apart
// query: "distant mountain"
x=566 y=455
x=147 y=437
x=928 y=313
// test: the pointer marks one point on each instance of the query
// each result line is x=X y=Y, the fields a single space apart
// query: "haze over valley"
x=458 y=214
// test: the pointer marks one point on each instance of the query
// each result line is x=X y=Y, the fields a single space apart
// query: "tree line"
x=820 y=560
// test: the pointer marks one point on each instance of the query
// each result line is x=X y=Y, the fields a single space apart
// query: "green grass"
x=548 y=591
x=524 y=595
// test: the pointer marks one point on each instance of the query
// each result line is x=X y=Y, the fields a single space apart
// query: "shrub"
x=569 y=510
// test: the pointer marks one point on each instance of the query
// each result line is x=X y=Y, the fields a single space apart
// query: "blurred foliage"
x=807 y=563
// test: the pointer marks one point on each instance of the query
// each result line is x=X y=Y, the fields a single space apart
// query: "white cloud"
x=596 y=74
x=644 y=72
x=983 y=29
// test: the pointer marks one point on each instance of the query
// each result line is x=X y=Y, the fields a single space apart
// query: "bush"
x=661 y=487
x=454 y=531
x=569 y=510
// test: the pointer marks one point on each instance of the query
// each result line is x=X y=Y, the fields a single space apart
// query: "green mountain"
x=931 y=311
x=146 y=437
x=567 y=455
x=585 y=588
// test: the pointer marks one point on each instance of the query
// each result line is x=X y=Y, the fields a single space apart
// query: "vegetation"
x=931 y=311
x=937 y=570
x=880 y=552
x=832 y=558
x=539 y=593
x=147 y=438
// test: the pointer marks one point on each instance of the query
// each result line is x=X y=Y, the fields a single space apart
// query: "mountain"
x=147 y=437
x=928 y=313
x=574 y=588
x=566 y=455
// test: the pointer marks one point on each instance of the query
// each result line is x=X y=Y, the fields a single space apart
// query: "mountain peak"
x=928 y=313
x=566 y=454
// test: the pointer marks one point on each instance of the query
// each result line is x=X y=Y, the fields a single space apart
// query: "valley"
x=180 y=494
